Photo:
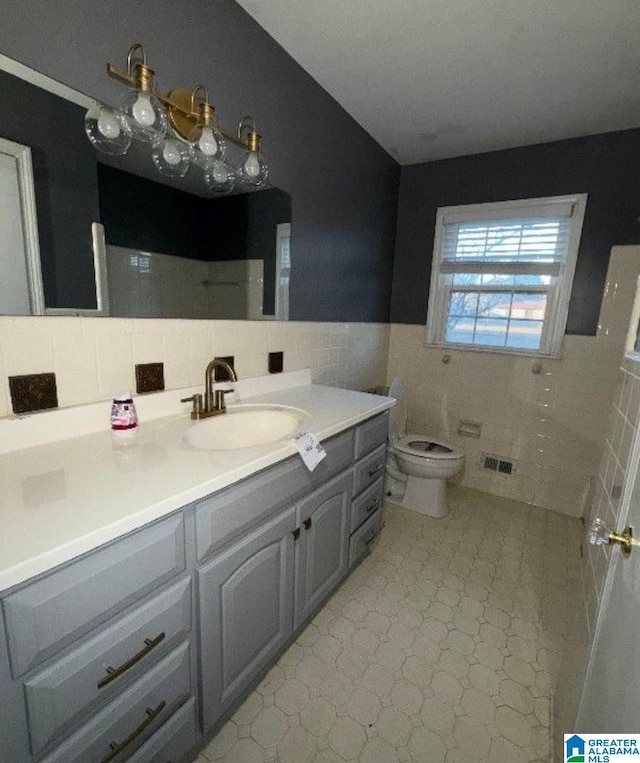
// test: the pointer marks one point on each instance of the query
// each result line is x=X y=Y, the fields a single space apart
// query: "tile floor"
x=442 y=646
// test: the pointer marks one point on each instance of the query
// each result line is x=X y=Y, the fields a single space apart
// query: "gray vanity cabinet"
x=99 y=653
x=256 y=593
x=246 y=611
x=99 y=658
x=322 y=548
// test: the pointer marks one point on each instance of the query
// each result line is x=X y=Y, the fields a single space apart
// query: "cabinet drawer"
x=371 y=468
x=366 y=503
x=59 y=694
x=371 y=433
x=236 y=509
x=46 y=616
x=173 y=741
x=363 y=538
x=117 y=730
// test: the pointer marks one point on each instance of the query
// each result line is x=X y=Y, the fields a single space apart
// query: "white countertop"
x=61 y=499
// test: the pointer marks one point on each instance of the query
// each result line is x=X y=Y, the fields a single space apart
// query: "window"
x=502 y=274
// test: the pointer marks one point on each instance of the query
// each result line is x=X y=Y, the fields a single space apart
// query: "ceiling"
x=431 y=79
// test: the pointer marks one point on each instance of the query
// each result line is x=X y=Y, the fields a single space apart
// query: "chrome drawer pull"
x=373 y=506
x=113 y=673
x=375 y=470
x=372 y=538
x=118 y=747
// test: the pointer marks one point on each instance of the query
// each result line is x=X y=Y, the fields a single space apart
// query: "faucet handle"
x=218 y=398
x=196 y=398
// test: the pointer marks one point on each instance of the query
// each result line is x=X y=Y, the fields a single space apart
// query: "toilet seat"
x=429 y=448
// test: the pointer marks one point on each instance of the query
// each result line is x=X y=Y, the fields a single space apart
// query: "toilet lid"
x=398 y=414
x=427 y=447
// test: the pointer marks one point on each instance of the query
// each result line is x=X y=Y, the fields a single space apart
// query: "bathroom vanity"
x=139 y=647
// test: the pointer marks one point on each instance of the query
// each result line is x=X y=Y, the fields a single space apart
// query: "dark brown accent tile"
x=220 y=374
x=276 y=362
x=149 y=377
x=33 y=392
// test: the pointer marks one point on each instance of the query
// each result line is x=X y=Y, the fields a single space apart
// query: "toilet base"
x=424 y=496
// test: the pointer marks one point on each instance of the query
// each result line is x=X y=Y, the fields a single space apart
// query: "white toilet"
x=418 y=466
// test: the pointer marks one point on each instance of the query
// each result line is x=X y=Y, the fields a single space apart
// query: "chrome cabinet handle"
x=113 y=673
x=117 y=747
x=373 y=506
x=375 y=470
x=372 y=538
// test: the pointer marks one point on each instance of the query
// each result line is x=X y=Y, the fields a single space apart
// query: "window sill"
x=492 y=351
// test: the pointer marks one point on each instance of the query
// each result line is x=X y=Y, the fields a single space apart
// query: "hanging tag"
x=309 y=448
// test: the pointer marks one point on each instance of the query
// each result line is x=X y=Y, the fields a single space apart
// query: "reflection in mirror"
x=20 y=279
x=189 y=256
x=174 y=255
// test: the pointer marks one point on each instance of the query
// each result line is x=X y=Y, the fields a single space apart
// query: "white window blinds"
x=502 y=273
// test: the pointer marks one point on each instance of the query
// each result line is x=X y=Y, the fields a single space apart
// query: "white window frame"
x=558 y=295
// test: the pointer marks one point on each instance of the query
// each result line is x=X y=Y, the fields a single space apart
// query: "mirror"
x=167 y=252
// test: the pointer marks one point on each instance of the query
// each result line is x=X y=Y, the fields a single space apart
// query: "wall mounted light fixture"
x=180 y=127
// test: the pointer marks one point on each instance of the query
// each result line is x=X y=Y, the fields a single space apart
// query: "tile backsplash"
x=95 y=358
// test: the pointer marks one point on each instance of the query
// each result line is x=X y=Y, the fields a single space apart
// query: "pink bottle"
x=124 y=419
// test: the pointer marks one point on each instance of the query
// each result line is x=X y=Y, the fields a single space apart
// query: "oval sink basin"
x=244 y=426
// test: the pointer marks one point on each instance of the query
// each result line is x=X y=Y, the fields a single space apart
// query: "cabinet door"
x=246 y=611
x=322 y=551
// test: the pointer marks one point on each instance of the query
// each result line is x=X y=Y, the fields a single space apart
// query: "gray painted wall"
x=606 y=167
x=343 y=184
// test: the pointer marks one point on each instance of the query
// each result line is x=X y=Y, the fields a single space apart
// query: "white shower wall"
x=552 y=424
x=149 y=284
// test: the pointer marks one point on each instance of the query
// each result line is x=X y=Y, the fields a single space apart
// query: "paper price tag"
x=310 y=449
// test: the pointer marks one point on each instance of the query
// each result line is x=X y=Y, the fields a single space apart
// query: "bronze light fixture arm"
x=186 y=109
x=137 y=73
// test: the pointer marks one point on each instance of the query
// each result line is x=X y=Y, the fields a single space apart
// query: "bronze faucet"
x=213 y=402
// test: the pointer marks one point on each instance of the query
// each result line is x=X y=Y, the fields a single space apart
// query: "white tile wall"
x=551 y=423
x=610 y=481
x=608 y=491
x=151 y=284
x=94 y=358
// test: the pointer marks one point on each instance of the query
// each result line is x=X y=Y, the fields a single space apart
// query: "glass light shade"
x=145 y=115
x=107 y=129
x=171 y=156
x=254 y=170
x=219 y=178
x=207 y=145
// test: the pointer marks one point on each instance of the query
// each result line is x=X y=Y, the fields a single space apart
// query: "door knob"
x=600 y=535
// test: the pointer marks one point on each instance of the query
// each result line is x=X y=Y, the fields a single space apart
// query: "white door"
x=611 y=697
x=21 y=283
x=14 y=287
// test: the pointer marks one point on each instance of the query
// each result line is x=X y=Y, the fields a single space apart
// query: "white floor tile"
x=443 y=646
